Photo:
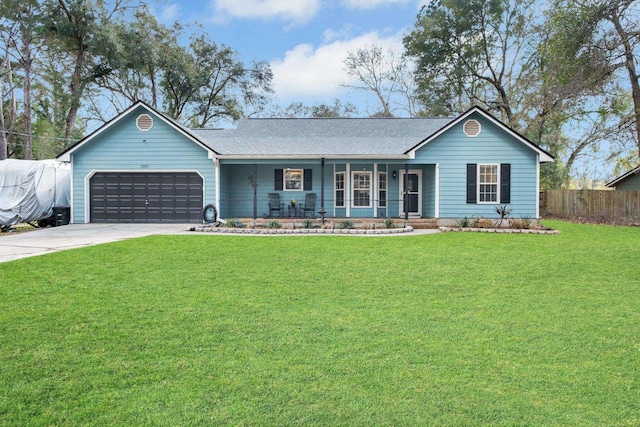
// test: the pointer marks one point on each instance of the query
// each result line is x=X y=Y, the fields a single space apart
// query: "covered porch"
x=365 y=189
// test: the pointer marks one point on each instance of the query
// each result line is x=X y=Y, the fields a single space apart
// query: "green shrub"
x=388 y=223
x=307 y=223
x=345 y=223
x=234 y=223
x=463 y=222
x=273 y=224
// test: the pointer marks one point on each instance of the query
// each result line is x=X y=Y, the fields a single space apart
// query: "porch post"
x=255 y=193
x=405 y=204
x=322 y=184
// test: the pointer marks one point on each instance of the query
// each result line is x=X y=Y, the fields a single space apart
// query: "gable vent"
x=144 y=122
x=471 y=128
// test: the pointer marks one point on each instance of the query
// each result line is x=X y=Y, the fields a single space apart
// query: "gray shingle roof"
x=321 y=137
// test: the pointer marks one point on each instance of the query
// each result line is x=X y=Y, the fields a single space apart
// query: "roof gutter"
x=313 y=157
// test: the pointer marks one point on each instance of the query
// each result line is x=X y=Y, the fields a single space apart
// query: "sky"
x=304 y=41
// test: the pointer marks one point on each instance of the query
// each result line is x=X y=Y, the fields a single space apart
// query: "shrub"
x=388 y=223
x=504 y=211
x=463 y=222
x=273 y=224
x=480 y=222
x=345 y=223
x=307 y=223
x=234 y=223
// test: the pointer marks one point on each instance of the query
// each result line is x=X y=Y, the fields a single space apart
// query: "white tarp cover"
x=29 y=189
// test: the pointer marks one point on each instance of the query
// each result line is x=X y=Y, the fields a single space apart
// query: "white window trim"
x=353 y=173
x=497 y=202
x=386 y=190
x=284 y=179
x=344 y=190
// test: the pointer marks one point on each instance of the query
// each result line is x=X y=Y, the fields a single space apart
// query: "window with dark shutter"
x=277 y=186
x=472 y=176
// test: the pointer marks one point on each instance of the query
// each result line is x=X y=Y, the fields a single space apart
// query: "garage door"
x=146 y=197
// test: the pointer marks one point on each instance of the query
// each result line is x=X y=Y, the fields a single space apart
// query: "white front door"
x=414 y=193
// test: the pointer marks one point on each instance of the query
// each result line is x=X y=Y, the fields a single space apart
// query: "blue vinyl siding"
x=236 y=193
x=454 y=150
x=123 y=147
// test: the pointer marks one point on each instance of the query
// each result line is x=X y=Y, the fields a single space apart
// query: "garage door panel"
x=146 y=197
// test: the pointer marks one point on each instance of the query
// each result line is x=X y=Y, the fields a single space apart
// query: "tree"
x=23 y=34
x=207 y=83
x=7 y=90
x=76 y=27
x=316 y=111
x=388 y=76
x=471 y=52
x=535 y=74
x=199 y=84
x=609 y=37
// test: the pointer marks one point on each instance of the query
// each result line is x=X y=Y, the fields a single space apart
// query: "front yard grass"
x=447 y=329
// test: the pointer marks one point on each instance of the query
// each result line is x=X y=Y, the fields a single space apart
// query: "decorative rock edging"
x=499 y=230
x=281 y=231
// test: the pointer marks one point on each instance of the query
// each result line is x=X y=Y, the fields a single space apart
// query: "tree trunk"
x=76 y=87
x=630 y=65
x=26 y=88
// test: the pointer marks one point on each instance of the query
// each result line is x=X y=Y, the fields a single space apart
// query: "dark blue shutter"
x=308 y=180
x=277 y=186
x=505 y=183
x=472 y=180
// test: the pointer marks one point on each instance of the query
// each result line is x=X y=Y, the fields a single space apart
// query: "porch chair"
x=275 y=205
x=309 y=205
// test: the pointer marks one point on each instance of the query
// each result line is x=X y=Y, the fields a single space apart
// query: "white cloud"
x=370 y=4
x=305 y=72
x=169 y=13
x=298 y=11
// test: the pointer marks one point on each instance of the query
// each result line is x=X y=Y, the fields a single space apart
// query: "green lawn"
x=446 y=329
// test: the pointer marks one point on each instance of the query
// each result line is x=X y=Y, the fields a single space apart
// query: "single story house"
x=142 y=166
x=629 y=181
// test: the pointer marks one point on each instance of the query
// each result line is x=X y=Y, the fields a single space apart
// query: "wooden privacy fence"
x=603 y=205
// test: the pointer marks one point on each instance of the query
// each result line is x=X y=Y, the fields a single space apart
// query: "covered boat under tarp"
x=30 y=189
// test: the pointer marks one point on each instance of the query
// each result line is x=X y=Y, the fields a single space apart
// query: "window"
x=382 y=189
x=488 y=183
x=361 y=189
x=293 y=179
x=339 y=189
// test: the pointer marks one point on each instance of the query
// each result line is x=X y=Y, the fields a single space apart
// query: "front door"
x=413 y=202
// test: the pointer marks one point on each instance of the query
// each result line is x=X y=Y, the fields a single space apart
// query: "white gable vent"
x=471 y=128
x=144 y=122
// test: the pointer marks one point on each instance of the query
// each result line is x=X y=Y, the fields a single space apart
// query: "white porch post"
x=216 y=162
x=437 y=192
x=347 y=190
x=375 y=190
x=537 y=187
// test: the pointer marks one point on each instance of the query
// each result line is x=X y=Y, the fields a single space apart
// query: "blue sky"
x=305 y=41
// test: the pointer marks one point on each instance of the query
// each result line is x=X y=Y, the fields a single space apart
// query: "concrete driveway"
x=37 y=242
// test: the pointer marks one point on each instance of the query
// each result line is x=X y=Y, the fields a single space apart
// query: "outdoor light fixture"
x=394 y=175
